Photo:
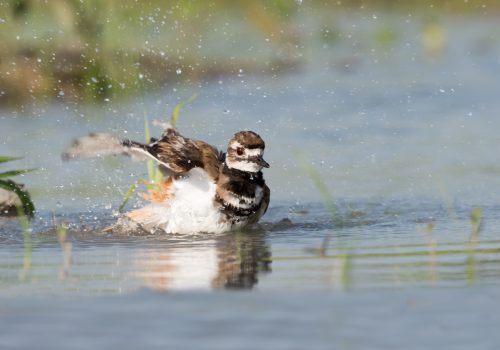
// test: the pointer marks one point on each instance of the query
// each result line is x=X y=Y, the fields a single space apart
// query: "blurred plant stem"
x=127 y=196
x=476 y=224
x=341 y=274
x=27 y=242
x=327 y=197
x=66 y=247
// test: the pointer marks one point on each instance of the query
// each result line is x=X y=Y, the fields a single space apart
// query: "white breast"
x=192 y=208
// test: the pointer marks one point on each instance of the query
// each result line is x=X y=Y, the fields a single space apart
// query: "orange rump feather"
x=162 y=194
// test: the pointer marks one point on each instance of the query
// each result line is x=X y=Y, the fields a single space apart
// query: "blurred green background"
x=97 y=50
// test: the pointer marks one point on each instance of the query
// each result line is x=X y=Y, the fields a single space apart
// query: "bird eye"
x=240 y=151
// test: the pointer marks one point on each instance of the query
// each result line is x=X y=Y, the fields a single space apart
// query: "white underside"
x=191 y=209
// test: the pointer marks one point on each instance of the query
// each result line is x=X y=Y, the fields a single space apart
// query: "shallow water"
x=376 y=320
x=406 y=144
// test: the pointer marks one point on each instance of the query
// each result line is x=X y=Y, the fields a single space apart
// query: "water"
x=404 y=140
x=375 y=320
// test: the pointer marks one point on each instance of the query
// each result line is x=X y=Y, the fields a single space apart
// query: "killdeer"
x=204 y=190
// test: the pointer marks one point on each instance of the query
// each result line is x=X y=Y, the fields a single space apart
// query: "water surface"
x=406 y=143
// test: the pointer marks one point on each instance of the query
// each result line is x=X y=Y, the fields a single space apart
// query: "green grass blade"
x=147 y=135
x=321 y=186
x=14 y=173
x=177 y=109
x=151 y=170
x=24 y=197
x=345 y=271
x=476 y=222
x=158 y=176
x=4 y=159
x=127 y=196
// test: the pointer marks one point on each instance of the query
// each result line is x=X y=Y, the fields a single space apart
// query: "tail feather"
x=137 y=222
x=147 y=218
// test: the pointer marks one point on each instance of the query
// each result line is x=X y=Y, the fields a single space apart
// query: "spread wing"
x=178 y=154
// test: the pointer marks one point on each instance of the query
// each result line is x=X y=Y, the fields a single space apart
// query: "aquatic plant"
x=130 y=191
x=66 y=246
x=321 y=187
x=25 y=203
x=24 y=208
x=177 y=109
x=342 y=262
x=476 y=223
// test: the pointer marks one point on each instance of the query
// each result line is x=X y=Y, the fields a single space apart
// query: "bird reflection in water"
x=228 y=261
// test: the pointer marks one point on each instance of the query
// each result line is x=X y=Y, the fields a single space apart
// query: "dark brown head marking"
x=248 y=139
x=245 y=152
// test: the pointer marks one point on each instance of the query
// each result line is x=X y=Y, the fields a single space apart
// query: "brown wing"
x=180 y=154
x=176 y=153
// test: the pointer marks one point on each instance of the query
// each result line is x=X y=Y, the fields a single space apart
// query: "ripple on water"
x=394 y=244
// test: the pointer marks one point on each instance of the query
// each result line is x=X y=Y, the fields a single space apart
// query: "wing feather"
x=175 y=152
x=181 y=154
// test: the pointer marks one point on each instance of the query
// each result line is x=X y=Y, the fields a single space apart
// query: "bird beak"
x=262 y=162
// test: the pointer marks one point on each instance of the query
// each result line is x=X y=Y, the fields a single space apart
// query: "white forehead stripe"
x=235 y=144
x=249 y=152
x=254 y=152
